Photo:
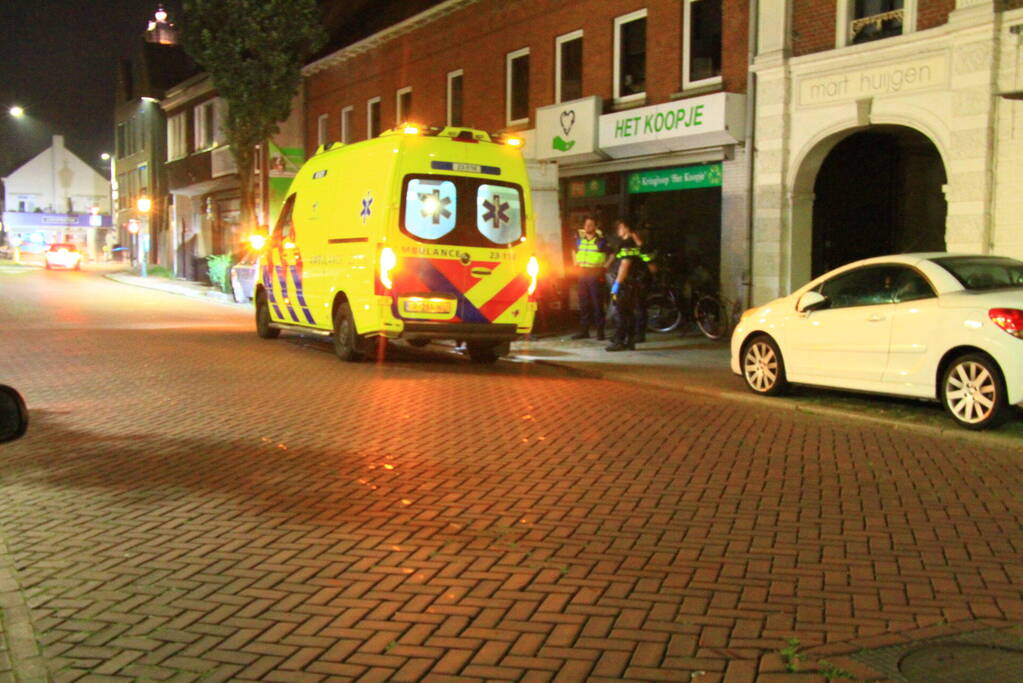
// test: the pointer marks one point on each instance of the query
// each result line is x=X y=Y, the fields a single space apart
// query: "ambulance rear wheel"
x=346 y=341
x=263 y=328
x=483 y=354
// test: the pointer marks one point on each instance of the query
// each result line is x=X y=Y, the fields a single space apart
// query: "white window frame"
x=687 y=34
x=201 y=141
x=346 y=124
x=452 y=75
x=399 y=115
x=322 y=121
x=508 y=59
x=177 y=136
x=844 y=17
x=619 y=22
x=370 y=133
x=558 y=42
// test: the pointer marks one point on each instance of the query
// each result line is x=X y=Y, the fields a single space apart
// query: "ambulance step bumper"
x=460 y=331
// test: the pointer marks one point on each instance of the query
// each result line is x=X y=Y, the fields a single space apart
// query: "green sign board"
x=680 y=178
x=594 y=187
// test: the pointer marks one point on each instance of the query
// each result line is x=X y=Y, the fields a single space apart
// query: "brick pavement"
x=193 y=503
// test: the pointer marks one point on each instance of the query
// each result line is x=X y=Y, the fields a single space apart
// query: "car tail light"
x=533 y=270
x=1009 y=319
x=388 y=261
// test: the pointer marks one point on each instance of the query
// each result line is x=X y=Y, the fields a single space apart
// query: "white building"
x=56 y=197
x=896 y=131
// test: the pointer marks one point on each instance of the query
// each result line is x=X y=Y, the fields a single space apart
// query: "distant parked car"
x=936 y=326
x=63 y=256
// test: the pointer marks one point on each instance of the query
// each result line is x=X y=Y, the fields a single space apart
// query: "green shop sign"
x=680 y=178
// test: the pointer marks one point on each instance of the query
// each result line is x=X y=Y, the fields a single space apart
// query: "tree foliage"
x=254 y=51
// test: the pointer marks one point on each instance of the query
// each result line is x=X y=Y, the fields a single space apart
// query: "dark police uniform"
x=628 y=293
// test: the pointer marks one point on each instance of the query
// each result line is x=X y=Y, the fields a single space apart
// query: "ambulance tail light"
x=388 y=262
x=533 y=270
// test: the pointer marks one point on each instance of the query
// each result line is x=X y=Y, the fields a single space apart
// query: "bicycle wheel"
x=663 y=312
x=711 y=317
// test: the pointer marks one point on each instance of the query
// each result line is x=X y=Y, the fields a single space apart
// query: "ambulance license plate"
x=425 y=306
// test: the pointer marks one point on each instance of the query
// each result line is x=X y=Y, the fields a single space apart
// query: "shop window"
x=403 y=105
x=630 y=56
x=569 y=66
x=373 y=118
x=517 y=87
x=702 y=56
x=455 y=98
x=863 y=21
x=346 y=125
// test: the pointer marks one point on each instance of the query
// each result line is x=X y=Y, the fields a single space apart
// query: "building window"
x=455 y=98
x=403 y=105
x=701 y=61
x=517 y=87
x=205 y=125
x=630 y=57
x=177 y=136
x=121 y=150
x=346 y=125
x=862 y=21
x=568 y=67
x=321 y=129
x=373 y=118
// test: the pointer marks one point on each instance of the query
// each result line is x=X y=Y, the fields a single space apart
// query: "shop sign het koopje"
x=683 y=124
x=681 y=178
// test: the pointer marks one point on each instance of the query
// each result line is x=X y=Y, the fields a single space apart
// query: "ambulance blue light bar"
x=464 y=168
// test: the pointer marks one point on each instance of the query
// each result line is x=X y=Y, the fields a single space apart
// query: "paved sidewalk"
x=181 y=287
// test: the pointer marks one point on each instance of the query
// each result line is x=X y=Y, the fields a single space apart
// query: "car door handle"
x=876 y=318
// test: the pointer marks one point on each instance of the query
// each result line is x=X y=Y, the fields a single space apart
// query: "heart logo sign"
x=567 y=120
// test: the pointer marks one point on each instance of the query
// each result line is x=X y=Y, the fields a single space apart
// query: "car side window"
x=911 y=286
x=867 y=286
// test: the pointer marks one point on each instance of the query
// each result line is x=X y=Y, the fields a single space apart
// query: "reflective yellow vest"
x=588 y=253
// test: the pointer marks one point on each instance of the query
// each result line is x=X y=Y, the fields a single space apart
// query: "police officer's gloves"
x=614 y=291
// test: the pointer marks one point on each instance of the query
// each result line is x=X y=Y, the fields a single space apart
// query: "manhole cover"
x=961 y=663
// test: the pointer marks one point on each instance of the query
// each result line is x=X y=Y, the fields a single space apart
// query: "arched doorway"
x=878 y=191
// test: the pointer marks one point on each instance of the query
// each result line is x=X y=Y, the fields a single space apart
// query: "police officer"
x=648 y=253
x=631 y=273
x=591 y=255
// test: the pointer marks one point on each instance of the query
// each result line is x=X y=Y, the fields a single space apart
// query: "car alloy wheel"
x=762 y=367
x=973 y=392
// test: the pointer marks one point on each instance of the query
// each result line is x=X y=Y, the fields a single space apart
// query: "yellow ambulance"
x=417 y=234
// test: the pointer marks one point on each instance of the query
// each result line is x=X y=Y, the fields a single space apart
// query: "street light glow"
x=144 y=204
x=17 y=111
x=105 y=156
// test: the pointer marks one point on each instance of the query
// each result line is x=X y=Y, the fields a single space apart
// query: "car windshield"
x=980 y=273
x=455 y=210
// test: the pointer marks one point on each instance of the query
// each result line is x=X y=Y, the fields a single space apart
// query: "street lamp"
x=16 y=111
x=144 y=204
x=105 y=156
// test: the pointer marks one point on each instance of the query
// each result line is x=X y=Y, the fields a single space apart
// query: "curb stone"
x=982 y=438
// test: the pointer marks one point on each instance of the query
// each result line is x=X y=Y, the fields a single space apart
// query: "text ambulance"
x=416 y=235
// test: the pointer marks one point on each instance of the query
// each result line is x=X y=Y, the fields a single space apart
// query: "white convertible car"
x=938 y=326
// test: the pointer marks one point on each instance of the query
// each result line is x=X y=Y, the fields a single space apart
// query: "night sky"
x=58 y=59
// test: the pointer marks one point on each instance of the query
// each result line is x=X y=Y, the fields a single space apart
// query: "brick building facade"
x=884 y=126
x=570 y=77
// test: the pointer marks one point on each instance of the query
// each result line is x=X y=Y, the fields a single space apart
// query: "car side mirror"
x=811 y=301
x=13 y=414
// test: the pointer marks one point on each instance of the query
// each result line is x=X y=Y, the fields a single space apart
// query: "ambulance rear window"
x=457 y=210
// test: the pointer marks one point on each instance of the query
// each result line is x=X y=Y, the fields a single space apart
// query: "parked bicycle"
x=677 y=297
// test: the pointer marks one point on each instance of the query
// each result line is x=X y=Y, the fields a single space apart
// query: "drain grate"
x=961 y=663
x=988 y=656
